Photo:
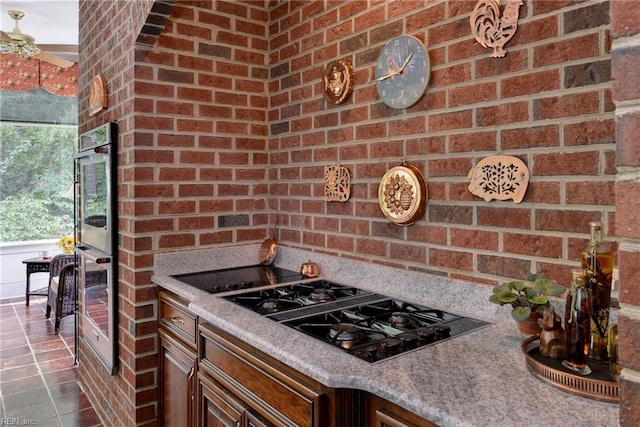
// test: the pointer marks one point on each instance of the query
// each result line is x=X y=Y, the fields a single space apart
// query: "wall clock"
x=402 y=72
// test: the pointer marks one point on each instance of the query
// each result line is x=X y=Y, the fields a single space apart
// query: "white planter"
x=13 y=271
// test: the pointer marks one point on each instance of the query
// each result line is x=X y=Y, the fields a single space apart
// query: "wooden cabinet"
x=271 y=392
x=385 y=414
x=178 y=368
x=210 y=378
x=221 y=408
x=178 y=363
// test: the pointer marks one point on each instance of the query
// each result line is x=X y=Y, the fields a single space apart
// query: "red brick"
x=590 y=193
x=531 y=83
x=580 y=163
x=427 y=233
x=504 y=217
x=472 y=94
x=566 y=50
x=628 y=261
x=629 y=404
x=543 y=192
x=566 y=106
x=535 y=245
x=459 y=260
x=512 y=62
x=450 y=121
x=408 y=253
x=450 y=167
x=591 y=132
x=530 y=137
x=503 y=114
x=628 y=149
x=628 y=208
x=474 y=238
x=565 y=221
x=451 y=75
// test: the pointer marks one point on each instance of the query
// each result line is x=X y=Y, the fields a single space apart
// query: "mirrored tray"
x=598 y=385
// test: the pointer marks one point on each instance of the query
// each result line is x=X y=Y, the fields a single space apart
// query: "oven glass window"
x=94 y=193
x=96 y=295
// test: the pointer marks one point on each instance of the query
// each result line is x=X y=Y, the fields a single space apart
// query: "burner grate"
x=313 y=310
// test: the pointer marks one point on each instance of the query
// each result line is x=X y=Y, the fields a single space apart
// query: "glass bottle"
x=614 y=365
x=597 y=261
x=577 y=325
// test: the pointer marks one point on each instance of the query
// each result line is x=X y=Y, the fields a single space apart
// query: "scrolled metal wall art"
x=494 y=24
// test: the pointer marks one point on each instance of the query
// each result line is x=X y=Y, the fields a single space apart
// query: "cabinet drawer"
x=175 y=316
x=273 y=391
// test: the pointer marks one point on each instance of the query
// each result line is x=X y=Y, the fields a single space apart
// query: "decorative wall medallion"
x=493 y=28
x=338 y=81
x=499 y=178
x=402 y=194
x=337 y=183
x=98 y=96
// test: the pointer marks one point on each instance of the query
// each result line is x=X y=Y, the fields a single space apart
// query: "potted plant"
x=528 y=298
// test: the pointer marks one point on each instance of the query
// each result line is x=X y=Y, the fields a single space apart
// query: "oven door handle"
x=82 y=250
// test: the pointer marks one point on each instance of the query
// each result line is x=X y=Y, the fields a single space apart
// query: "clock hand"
x=388 y=76
x=404 y=64
x=395 y=73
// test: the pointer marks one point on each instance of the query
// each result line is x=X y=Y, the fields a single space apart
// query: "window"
x=36 y=181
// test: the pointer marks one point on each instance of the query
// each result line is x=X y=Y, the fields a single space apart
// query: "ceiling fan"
x=22 y=44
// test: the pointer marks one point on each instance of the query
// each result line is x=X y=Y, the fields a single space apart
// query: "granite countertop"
x=476 y=379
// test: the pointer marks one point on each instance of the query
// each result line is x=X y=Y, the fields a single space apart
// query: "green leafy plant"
x=527 y=296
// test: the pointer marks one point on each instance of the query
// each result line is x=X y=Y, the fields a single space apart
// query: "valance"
x=20 y=74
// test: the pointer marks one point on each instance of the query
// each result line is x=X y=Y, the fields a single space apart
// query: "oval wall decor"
x=402 y=194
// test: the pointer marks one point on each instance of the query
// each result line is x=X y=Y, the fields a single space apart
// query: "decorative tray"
x=598 y=385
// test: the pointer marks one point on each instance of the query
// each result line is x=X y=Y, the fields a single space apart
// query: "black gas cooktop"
x=233 y=279
x=370 y=326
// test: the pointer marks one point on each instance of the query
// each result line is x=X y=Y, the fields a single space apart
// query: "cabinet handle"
x=177 y=320
x=189 y=380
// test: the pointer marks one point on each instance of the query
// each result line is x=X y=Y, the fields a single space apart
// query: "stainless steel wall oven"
x=96 y=240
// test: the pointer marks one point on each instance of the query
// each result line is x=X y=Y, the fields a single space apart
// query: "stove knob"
x=371 y=353
x=408 y=340
x=426 y=334
x=442 y=331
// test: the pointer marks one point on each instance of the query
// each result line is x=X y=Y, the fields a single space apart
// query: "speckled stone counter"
x=477 y=379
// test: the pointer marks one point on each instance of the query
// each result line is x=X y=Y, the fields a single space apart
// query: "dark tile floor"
x=38 y=377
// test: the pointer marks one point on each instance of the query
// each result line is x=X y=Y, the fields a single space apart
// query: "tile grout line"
x=33 y=354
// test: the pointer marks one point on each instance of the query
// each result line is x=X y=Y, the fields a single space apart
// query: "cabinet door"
x=218 y=407
x=178 y=368
x=385 y=414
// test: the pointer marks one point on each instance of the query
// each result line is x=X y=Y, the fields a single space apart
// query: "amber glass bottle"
x=577 y=325
x=597 y=261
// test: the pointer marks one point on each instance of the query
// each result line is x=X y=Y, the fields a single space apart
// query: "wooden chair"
x=62 y=287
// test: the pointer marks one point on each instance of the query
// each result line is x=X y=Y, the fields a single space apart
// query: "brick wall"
x=224 y=134
x=625 y=32
x=187 y=84
x=548 y=102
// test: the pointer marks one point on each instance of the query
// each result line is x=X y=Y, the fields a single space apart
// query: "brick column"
x=625 y=33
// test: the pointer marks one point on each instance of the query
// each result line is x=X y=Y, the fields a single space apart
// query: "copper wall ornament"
x=338 y=81
x=499 y=178
x=337 y=183
x=98 y=100
x=402 y=194
x=493 y=27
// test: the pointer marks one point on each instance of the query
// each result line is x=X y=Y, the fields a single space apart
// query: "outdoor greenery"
x=36 y=181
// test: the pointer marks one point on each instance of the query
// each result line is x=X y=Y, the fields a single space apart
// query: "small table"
x=36 y=265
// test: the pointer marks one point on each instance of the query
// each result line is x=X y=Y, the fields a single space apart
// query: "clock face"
x=402 y=72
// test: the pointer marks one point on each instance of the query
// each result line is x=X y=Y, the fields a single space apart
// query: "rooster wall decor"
x=491 y=29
